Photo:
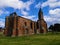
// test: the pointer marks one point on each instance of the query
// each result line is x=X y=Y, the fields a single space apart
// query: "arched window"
x=25 y=23
x=37 y=25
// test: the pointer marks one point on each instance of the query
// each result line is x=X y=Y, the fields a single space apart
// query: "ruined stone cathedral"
x=18 y=26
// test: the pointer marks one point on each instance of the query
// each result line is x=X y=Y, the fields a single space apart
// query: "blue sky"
x=29 y=9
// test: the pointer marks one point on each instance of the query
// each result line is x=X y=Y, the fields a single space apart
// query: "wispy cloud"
x=38 y=5
x=55 y=12
x=30 y=17
x=16 y=4
x=3 y=12
x=25 y=13
x=51 y=3
x=2 y=22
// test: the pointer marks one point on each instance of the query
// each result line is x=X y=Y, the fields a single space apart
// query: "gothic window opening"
x=25 y=23
x=37 y=25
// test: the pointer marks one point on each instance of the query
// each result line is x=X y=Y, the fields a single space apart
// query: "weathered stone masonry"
x=18 y=26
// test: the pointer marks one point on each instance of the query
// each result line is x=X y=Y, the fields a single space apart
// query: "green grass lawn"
x=40 y=39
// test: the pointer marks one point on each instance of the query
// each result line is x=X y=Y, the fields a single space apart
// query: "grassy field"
x=40 y=39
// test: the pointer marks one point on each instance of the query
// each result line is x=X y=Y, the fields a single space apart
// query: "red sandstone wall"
x=22 y=27
x=19 y=27
x=6 y=26
x=43 y=25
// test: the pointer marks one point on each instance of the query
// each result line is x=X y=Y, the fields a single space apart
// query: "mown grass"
x=38 y=39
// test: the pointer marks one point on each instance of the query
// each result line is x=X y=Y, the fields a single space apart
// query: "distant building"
x=18 y=26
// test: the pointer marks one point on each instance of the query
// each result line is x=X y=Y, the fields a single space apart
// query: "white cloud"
x=50 y=3
x=38 y=5
x=28 y=3
x=16 y=4
x=55 y=12
x=51 y=20
x=29 y=17
x=25 y=13
x=54 y=16
x=3 y=12
x=2 y=23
